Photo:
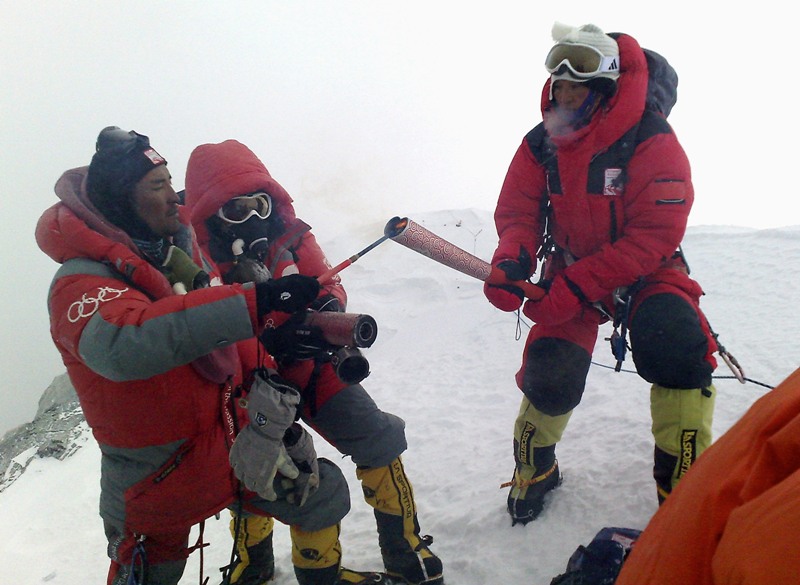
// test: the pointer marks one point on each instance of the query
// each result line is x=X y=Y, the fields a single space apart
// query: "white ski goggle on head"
x=582 y=61
x=240 y=209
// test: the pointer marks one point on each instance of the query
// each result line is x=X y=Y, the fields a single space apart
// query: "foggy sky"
x=362 y=110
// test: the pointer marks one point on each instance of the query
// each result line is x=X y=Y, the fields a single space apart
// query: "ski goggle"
x=581 y=61
x=113 y=138
x=240 y=209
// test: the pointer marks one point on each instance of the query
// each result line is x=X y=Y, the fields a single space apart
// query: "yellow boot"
x=255 y=561
x=406 y=554
x=317 y=560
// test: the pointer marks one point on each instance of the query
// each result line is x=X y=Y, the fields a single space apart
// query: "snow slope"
x=444 y=360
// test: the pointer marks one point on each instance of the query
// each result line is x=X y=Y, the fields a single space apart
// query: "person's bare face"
x=569 y=95
x=156 y=203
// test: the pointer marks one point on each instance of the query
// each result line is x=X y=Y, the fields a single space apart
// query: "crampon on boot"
x=526 y=497
x=336 y=575
x=317 y=560
x=414 y=567
x=350 y=577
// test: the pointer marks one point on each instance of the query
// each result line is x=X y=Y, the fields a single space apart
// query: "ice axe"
x=417 y=238
x=394 y=227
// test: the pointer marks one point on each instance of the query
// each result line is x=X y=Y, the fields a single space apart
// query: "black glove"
x=287 y=294
x=247 y=270
x=294 y=340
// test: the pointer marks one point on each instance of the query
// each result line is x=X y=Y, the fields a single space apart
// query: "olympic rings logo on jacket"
x=88 y=306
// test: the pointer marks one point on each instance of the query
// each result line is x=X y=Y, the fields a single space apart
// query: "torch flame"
x=395 y=227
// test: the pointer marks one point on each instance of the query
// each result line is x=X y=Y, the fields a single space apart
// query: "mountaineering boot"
x=255 y=561
x=407 y=557
x=536 y=469
x=317 y=560
x=413 y=566
x=526 y=497
x=682 y=421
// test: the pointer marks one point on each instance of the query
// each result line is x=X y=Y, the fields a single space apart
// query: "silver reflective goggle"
x=240 y=209
x=581 y=61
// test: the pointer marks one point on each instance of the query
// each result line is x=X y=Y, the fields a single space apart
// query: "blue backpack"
x=600 y=561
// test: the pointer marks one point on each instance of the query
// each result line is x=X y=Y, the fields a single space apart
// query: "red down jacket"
x=616 y=233
x=153 y=370
x=215 y=174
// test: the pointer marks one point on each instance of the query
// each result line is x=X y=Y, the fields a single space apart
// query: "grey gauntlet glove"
x=258 y=453
x=300 y=447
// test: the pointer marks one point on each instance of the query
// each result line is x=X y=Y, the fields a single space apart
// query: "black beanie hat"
x=120 y=161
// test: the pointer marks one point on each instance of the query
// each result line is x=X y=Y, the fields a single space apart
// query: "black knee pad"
x=668 y=343
x=555 y=375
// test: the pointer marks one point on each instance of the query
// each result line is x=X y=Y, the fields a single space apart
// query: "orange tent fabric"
x=735 y=517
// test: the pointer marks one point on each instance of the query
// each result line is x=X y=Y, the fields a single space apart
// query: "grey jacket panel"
x=138 y=352
x=122 y=468
x=353 y=423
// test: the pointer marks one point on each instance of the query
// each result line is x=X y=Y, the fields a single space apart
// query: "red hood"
x=215 y=173
x=623 y=110
x=73 y=228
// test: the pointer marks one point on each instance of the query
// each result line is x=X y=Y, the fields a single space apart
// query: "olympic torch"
x=415 y=237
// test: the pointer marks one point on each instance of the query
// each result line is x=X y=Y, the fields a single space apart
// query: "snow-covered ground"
x=444 y=360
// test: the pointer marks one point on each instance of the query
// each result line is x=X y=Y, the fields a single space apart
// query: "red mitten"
x=499 y=287
x=504 y=297
x=561 y=303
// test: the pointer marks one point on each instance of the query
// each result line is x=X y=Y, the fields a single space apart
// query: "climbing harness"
x=622 y=312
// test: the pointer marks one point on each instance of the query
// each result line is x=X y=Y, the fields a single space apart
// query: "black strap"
x=310 y=392
x=286 y=242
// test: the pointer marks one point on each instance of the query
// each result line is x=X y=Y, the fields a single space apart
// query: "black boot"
x=526 y=497
x=413 y=566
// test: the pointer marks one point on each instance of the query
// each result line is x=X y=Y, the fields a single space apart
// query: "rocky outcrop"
x=58 y=430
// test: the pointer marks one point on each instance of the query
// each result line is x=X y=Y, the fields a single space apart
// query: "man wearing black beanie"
x=152 y=351
x=120 y=161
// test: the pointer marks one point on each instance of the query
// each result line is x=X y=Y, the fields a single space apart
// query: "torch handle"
x=421 y=240
x=328 y=274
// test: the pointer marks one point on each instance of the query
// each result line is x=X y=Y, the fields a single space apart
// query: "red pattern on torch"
x=427 y=243
x=421 y=240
